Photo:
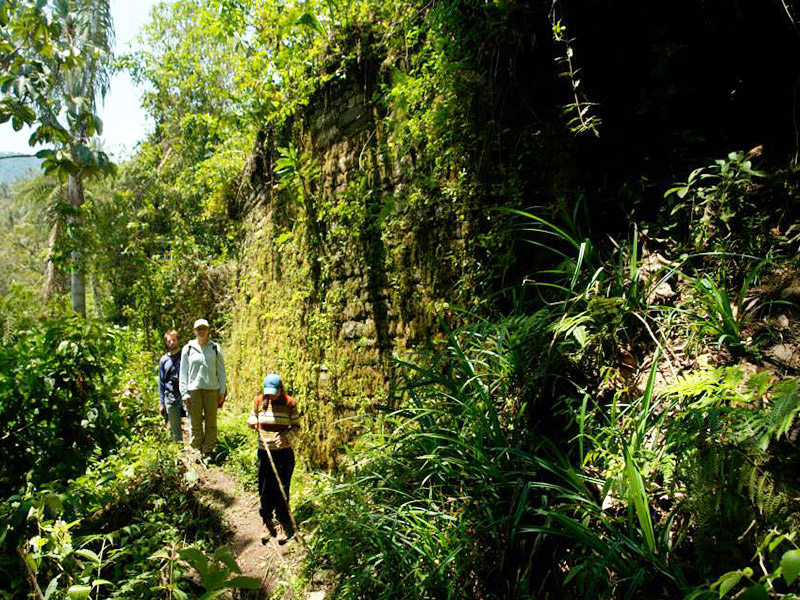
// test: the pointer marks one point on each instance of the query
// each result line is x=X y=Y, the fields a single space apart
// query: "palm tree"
x=56 y=78
x=89 y=27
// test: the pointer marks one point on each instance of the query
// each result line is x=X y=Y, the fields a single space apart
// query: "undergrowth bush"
x=102 y=525
x=733 y=469
x=775 y=571
x=540 y=441
x=120 y=528
x=80 y=514
x=444 y=481
x=460 y=470
x=57 y=400
x=236 y=449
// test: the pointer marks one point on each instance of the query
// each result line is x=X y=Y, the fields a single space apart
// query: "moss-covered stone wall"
x=391 y=251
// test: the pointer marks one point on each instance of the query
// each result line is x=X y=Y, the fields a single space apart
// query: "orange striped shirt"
x=276 y=419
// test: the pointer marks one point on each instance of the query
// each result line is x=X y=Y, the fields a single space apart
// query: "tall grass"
x=464 y=487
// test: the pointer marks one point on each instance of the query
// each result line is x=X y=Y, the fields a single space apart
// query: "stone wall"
x=387 y=267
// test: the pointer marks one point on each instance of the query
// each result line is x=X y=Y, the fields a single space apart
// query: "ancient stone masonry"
x=384 y=269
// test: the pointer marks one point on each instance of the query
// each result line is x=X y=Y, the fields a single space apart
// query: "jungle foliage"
x=601 y=398
x=581 y=442
x=96 y=502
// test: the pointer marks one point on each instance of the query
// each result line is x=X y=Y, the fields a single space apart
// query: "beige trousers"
x=203 y=410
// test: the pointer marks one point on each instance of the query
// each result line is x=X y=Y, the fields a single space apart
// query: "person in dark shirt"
x=170 y=405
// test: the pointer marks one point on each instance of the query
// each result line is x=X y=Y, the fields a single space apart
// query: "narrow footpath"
x=273 y=564
x=264 y=562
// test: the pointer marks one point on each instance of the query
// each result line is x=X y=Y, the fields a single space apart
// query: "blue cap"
x=272 y=383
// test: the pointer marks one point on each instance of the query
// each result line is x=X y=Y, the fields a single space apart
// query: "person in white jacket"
x=202 y=386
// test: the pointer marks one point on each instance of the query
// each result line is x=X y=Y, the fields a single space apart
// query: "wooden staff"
x=283 y=495
x=280 y=485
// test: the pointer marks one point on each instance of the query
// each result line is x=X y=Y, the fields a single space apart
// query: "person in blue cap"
x=276 y=419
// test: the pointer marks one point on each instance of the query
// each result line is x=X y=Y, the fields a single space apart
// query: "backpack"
x=213 y=345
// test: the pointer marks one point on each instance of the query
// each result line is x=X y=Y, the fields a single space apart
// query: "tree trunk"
x=78 y=282
x=55 y=278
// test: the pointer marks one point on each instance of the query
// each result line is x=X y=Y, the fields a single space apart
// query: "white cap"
x=200 y=323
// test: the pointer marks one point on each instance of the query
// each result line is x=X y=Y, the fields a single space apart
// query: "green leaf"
x=647 y=399
x=223 y=554
x=581 y=335
x=83 y=154
x=249 y=583
x=728 y=581
x=215 y=578
x=51 y=587
x=159 y=554
x=310 y=20
x=726 y=214
x=790 y=566
x=79 y=592
x=197 y=559
x=31 y=563
x=54 y=502
x=88 y=554
x=638 y=497
x=179 y=594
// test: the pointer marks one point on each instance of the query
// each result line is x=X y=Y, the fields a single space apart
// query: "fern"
x=784 y=407
x=766 y=494
x=724 y=436
x=750 y=420
x=713 y=383
x=573 y=326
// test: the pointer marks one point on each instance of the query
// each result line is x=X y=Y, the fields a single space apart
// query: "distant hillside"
x=15 y=169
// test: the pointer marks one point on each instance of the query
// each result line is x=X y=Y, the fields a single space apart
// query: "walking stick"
x=283 y=495
x=283 y=492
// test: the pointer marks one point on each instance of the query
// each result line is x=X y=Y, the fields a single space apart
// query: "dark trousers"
x=272 y=502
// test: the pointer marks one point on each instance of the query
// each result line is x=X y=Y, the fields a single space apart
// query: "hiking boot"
x=268 y=532
x=287 y=533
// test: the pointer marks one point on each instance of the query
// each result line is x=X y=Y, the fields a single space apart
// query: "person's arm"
x=289 y=437
x=252 y=420
x=223 y=388
x=161 y=386
x=294 y=416
x=183 y=379
x=221 y=376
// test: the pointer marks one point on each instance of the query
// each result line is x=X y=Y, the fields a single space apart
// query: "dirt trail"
x=268 y=563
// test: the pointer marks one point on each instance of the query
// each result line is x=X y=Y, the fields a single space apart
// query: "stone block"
x=352 y=330
x=323 y=379
x=350 y=116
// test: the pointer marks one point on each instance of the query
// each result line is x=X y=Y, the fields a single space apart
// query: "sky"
x=124 y=122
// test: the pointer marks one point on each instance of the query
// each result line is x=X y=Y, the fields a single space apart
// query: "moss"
x=345 y=265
